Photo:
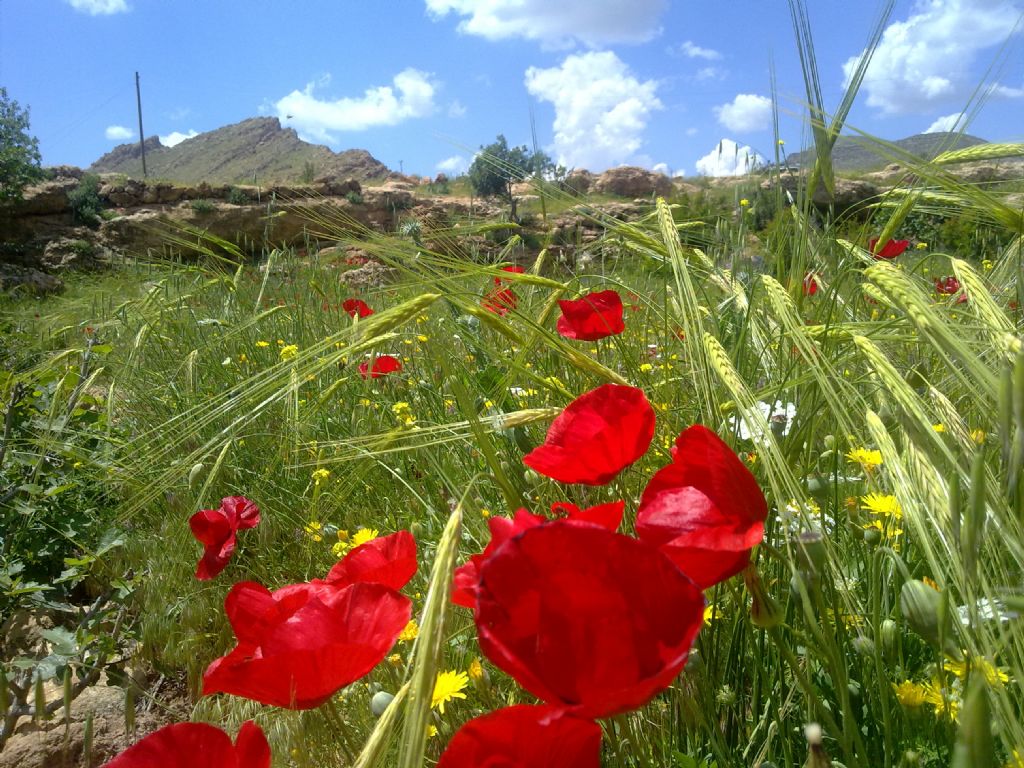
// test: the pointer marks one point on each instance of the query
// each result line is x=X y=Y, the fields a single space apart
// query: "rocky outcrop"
x=846 y=193
x=629 y=181
x=257 y=149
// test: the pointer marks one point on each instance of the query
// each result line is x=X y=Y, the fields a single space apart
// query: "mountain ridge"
x=857 y=154
x=255 y=150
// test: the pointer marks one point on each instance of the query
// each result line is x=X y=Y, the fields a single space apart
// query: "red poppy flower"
x=591 y=317
x=949 y=286
x=515 y=270
x=216 y=529
x=890 y=250
x=524 y=736
x=301 y=644
x=467 y=576
x=810 y=284
x=704 y=510
x=500 y=301
x=382 y=365
x=356 y=307
x=197 y=745
x=598 y=435
x=586 y=619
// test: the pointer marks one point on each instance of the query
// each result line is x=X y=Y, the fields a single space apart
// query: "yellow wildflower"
x=868 y=459
x=242 y=358
x=431 y=731
x=422 y=338
x=645 y=367
x=289 y=351
x=262 y=344
x=364 y=535
x=313 y=529
x=994 y=676
x=882 y=504
x=448 y=686
x=395 y=659
x=711 y=613
x=410 y=633
x=475 y=670
x=319 y=475
x=921 y=246
x=744 y=203
x=939 y=427
x=910 y=694
x=978 y=436
x=485 y=513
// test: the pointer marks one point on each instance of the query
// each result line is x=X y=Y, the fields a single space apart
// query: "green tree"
x=19 y=150
x=498 y=166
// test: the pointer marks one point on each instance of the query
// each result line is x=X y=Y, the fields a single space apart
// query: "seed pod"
x=5 y=693
x=87 y=741
x=974 y=744
x=380 y=702
x=129 y=709
x=817 y=757
x=68 y=691
x=40 y=699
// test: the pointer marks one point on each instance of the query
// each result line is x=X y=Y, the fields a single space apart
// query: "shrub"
x=238 y=196
x=203 y=206
x=354 y=197
x=85 y=201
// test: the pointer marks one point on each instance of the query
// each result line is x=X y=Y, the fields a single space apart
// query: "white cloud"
x=453 y=165
x=944 y=123
x=728 y=159
x=118 y=133
x=556 y=24
x=679 y=174
x=456 y=109
x=692 y=51
x=691 y=131
x=174 y=138
x=412 y=95
x=601 y=109
x=709 y=73
x=747 y=112
x=926 y=60
x=99 y=7
x=662 y=168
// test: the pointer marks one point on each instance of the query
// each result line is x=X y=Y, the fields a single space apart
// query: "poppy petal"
x=591 y=317
x=524 y=736
x=586 y=619
x=705 y=502
x=608 y=516
x=388 y=560
x=241 y=512
x=197 y=745
x=598 y=435
x=301 y=650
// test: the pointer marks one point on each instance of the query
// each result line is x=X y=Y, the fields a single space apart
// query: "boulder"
x=579 y=181
x=630 y=181
x=28 y=279
x=47 y=198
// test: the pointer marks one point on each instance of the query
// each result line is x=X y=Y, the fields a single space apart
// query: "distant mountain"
x=853 y=154
x=235 y=153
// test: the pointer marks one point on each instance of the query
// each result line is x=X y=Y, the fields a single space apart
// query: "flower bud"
x=810 y=551
x=830 y=442
x=921 y=606
x=865 y=646
x=193 y=475
x=816 y=755
x=889 y=632
x=764 y=611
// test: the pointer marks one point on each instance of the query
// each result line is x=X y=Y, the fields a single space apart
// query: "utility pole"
x=142 y=139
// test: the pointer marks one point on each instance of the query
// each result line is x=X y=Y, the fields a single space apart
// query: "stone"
x=30 y=280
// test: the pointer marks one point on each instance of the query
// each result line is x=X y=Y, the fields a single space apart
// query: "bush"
x=238 y=196
x=85 y=201
x=203 y=206
x=354 y=197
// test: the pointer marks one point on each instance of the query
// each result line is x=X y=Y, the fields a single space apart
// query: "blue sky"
x=422 y=83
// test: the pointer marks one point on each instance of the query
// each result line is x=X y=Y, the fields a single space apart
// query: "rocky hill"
x=856 y=155
x=258 y=149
